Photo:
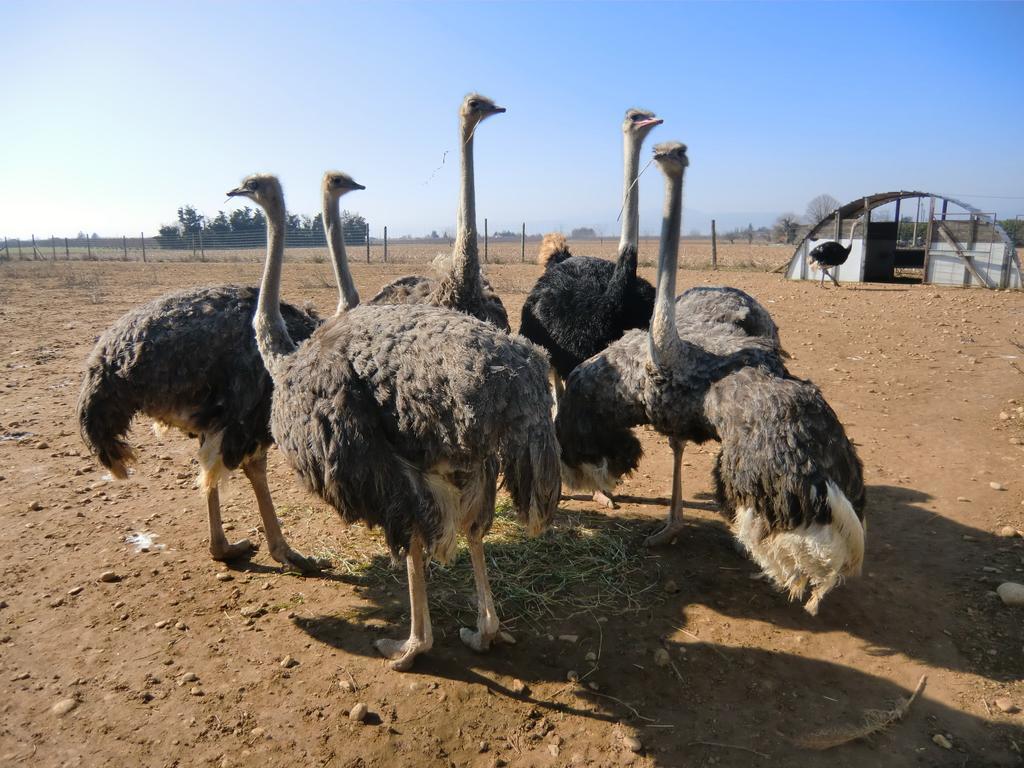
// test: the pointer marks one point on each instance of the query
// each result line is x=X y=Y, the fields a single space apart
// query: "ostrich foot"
x=481 y=642
x=666 y=535
x=401 y=652
x=294 y=561
x=223 y=551
x=605 y=500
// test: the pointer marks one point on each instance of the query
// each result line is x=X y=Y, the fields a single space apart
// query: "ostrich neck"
x=348 y=296
x=664 y=343
x=631 y=194
x=271 y=332
x=465 y=257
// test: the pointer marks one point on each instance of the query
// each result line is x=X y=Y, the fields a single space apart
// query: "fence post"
x=19 y=249
x=385 y=243
x=202 y=248
x=193 y=246
x=67 y=250
x=367 y=238
x=35 y=253
x=485 y=239
x=714 y=246
x=124 y=246
x=53 y=247
x=88 y=246
x=142 y=239
x=7 y=251
x=522 y=245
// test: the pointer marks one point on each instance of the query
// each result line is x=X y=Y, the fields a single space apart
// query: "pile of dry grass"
x=584 y=564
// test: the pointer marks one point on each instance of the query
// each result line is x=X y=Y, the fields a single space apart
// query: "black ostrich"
x=581 y=304
x=830 y=255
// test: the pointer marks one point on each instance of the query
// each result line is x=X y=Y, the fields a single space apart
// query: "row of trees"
x=246 y=228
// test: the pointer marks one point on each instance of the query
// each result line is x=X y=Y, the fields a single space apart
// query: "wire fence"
x=303 y=244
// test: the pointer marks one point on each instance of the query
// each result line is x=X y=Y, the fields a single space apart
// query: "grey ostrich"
x=463 y=289
x=334 y=185
x=189 y=360
x=397 y=416
x=787 y=472
x=609 y=394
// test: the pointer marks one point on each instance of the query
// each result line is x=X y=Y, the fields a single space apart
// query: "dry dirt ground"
x=923 y=378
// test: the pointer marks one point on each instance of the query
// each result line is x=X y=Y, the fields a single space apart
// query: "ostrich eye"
x=254 y=185
x=474 y=104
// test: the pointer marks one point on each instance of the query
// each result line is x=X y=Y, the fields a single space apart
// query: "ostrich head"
x=475 y=109
x=337 y=183
x=264 y=189
x=639 y=122
x=671 y=157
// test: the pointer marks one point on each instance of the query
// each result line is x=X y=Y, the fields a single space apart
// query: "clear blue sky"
x=117 y=113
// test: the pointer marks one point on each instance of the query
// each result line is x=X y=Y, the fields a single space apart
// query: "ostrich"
x=397 y=415
x=606 y=396
x=189 y=360
x=790 y=479
x=581 y=304
x=334 y=185
x=463 y=289
x=830 y=255
x=787 y=472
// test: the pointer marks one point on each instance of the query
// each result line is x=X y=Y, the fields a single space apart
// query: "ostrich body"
x=790 y=479
x=581 y=304
x=787 y=473
x=397 y=416
x=463 y=289
x=830 y=255
x=189 y=360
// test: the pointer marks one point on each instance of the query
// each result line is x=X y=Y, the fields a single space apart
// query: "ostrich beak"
x=650 y=122
x=236 y=192
x=496 y=110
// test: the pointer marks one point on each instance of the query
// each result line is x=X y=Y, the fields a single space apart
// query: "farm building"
x=913 y=236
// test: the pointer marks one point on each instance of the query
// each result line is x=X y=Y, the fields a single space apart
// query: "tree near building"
x=820 y=207
x=786 y=227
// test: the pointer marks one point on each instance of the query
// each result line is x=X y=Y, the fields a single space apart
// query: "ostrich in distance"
x=830 y=255
x=189 y=360
x=463 y=288
x=397 y=416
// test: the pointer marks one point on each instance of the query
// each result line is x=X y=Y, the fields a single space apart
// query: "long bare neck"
x=348 y=296
x=663 y=339
x=630 y=192
x=465 y=257
x=271 y=332
x=853 y=230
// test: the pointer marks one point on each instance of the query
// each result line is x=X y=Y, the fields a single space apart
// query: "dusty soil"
x=919 y=376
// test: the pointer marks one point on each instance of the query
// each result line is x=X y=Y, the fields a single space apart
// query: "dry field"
x=180 y=661
x=694 y=253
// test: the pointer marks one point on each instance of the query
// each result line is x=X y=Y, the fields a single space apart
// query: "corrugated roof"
x=855 y=208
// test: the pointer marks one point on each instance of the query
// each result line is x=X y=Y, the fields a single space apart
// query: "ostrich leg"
x=674 y=525
x=486 y=617
x=421 y=636
x=833 y=277
x=219 y=546
x=256 y=471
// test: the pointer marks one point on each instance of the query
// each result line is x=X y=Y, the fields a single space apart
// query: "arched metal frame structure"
x=965 y=247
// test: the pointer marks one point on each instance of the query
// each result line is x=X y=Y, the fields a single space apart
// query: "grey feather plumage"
x=383 y=395
x=481 y=302
x=186 y=359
